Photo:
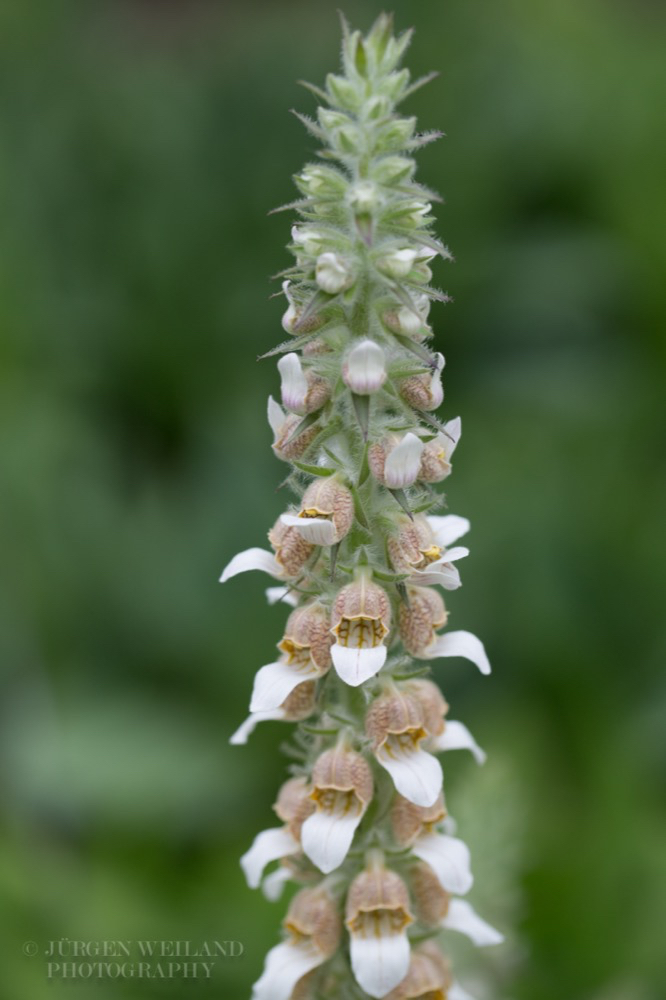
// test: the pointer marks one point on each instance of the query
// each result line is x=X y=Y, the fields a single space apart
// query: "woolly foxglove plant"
x=361 y=556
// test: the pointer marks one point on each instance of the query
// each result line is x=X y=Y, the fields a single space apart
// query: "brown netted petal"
x=394 y=713
x=417 y=391
x=315 y=348
x=409 y=820
x=432 y=702
x=419 y=619
x=291 y=549
x=313 y=914
x=319 y=391
x=301 y=702
x=376 y=460
x=294 y=804
x=329 y=498
x=289 y=448
x=414 y=546
x=434 y=463
x=430 y=900
x=378 y=888
x=429 y=976
x=344 y=771
x=361 y=599
x=308 y=632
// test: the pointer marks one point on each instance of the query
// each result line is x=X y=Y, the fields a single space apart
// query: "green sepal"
x=401 y=497
x=362 y=411
x=313 y=470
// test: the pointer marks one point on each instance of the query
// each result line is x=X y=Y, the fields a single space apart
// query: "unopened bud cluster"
x=362 y=556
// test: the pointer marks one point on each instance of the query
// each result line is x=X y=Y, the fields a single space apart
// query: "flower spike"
x=361 y=555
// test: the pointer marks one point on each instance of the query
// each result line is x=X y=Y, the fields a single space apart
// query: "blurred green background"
x=141 y=146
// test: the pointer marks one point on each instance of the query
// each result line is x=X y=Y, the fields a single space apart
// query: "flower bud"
x=343 y=91
x=333 y=273
x=409 y=821
x=342 y=789
x=436 y=457
x=431 y=901
x=397 y=263
x=396 y=461
x=364 y=369
x=412 y=213
x=424 y=392
x=393 y=169
x=429 y=976
x=363 y=197
x=290 y=319
x=292 y=551
x=419 y=620
x=294 y=805
x=320 y=182
x=360 y=621
x=395 y=135
x=302 y=392
x=377 y=917
x=309 y=238
x=326 y=514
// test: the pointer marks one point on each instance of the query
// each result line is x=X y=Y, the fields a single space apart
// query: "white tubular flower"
x=417 y=549
x=301 y=392
x=377 y=917
x=326 y=514
x=429 y=976
x=449 y=858
x=456 y=736
x=425 y=392
x=364 y=369
x=313 y=927
x=436 y=457
x=269 y=845
x=333 y=273
x=360 y=621
x=293 y=806
x=462 y=917
x=292 y=551
x=396 y=462
x=297 y=706
x=342 y=791
x=305 y=656
x=395 y=723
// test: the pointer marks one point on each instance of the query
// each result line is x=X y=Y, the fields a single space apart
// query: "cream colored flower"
x=395 y=723
x=326 y=513
x=377 y=917
x=306 y=655
x=360 y=622
x=313 y=928
x=342 y=790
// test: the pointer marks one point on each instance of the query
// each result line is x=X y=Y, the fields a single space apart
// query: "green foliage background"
x=141 y=146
